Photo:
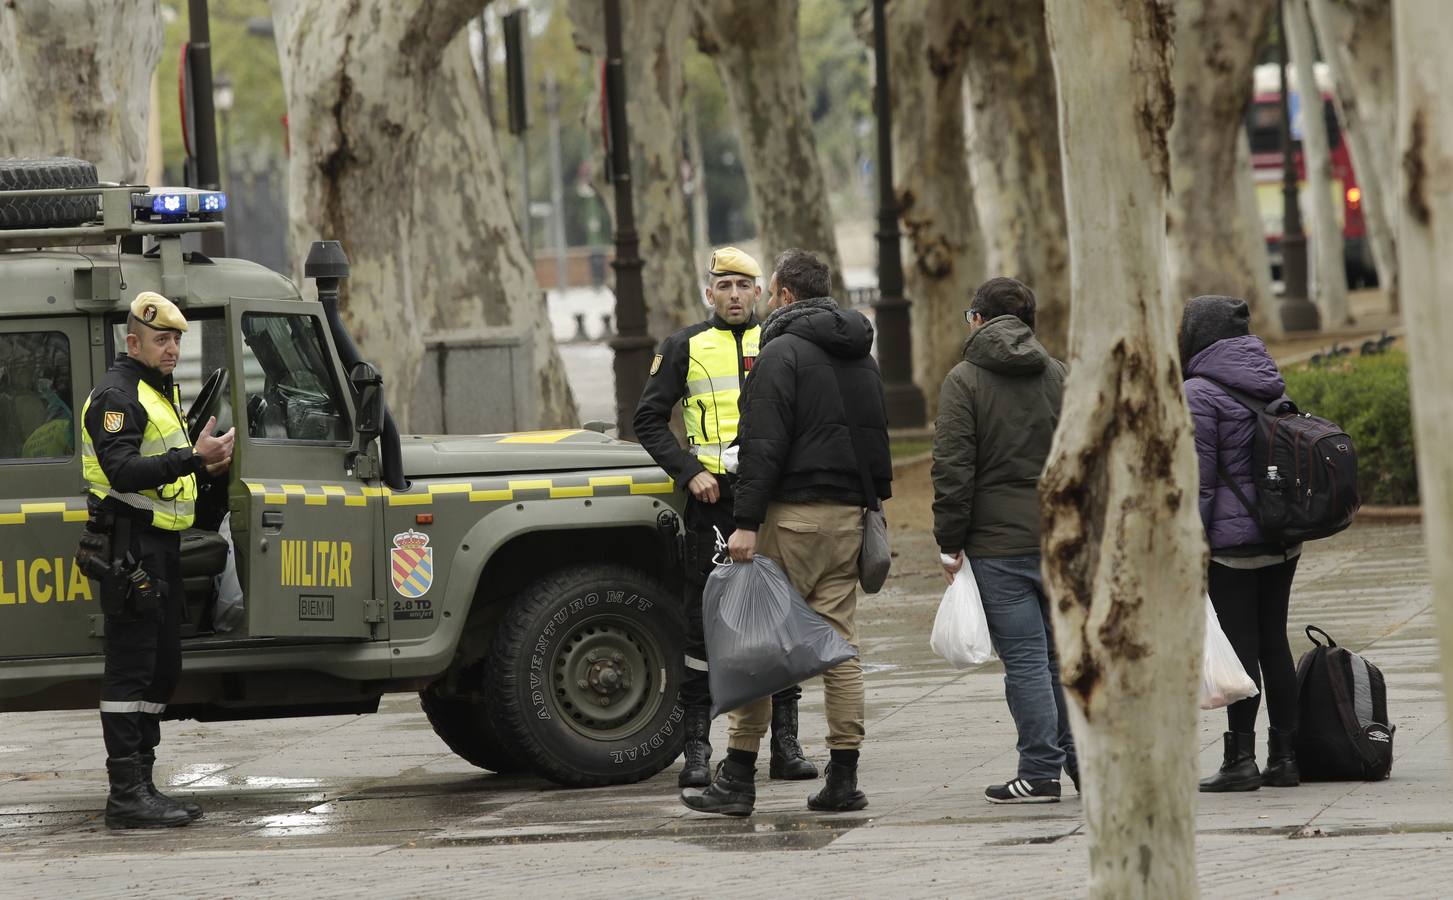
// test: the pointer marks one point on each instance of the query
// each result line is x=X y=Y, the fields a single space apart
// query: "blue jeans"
x=1019 y=624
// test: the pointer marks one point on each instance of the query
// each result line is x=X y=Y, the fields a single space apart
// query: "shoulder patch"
x=656 y=364
x=113 y=421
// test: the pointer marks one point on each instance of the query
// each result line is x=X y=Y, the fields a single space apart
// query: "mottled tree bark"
x=655 y=35
x=927 y=45
x=1425 y=187
x=1124 y=555
x=1356 y=41
x=1329 y=278
x=75 y=80
x=1205 y=223
x=393 y=154
x=754 y=46
x=1014 y=153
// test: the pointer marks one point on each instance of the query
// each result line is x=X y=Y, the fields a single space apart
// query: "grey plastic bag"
x=876 y=557
x=761 y=636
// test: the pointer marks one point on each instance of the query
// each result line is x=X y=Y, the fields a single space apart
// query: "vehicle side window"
x=291 y=392
x=37 y=403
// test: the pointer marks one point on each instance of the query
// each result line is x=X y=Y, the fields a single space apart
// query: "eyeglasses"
x=969 y=315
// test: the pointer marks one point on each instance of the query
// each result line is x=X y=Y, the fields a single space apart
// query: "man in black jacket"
x=799 y=501
x=702 y=369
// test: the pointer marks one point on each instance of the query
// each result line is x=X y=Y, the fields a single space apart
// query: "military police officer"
x=141 y=472
x=702 y=367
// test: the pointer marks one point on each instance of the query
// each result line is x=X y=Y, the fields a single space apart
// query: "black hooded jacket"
x=794 y=440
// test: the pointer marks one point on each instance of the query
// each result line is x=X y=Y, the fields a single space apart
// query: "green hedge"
x=1367 y=396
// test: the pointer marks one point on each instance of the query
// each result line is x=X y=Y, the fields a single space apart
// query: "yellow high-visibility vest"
x=172 y=506
x=715 y=372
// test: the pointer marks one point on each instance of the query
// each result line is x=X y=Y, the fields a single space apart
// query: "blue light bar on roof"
x=179 y=202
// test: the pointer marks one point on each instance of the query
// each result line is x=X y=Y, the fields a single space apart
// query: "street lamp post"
x=199 y=60
x=1298 y=313
x=632 y=344
x=895 y=348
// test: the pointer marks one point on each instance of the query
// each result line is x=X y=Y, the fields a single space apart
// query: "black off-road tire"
x=43 y=174
x=549 y=667
x=467 y=727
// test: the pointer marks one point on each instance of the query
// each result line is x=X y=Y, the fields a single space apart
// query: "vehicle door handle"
x=272 y=518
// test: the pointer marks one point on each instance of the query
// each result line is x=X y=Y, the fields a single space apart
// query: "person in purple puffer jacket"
x=1250 y=577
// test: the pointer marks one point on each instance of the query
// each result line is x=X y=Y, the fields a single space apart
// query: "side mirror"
x=368 y=386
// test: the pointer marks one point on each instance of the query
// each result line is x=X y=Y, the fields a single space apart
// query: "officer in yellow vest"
x=141 y=473
x=702 y=368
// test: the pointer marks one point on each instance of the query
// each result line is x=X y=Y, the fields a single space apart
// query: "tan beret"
x=155 y=311
x=731 y=261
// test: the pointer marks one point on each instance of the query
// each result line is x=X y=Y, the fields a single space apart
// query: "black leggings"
x=1252 y=607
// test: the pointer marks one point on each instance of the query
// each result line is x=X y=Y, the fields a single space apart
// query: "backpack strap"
x=1257 y=407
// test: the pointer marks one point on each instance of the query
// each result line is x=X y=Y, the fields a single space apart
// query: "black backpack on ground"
x=1304 y=468
x=1344 y=733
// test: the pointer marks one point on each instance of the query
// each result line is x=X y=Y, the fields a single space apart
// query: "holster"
x=128 y=592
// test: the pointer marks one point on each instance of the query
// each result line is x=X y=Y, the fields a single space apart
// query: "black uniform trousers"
x=144 y=653
x=708 y=527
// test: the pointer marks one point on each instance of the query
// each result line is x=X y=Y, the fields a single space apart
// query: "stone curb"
x=1392 y=513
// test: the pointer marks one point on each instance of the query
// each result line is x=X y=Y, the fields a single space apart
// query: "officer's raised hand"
x=704 y=488
x=216 y=452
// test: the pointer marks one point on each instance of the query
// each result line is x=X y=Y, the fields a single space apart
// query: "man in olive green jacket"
x=996 y=418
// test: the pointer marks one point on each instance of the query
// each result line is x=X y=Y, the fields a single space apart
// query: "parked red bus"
x=1263 y=126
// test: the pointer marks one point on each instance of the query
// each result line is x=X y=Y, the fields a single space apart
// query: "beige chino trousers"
x=817 y=545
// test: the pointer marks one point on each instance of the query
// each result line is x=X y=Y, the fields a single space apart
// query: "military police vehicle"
x=523 y=584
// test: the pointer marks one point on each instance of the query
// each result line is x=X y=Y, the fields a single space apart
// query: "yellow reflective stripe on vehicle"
x=539 y=437
x=486 y=491
x=69 y=511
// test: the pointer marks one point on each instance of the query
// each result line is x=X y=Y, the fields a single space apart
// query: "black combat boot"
x=841 y=793
x=131 y=803
x=788 y=760
x=732 y=793
x=1238 y=769
x=148 y=760
x=696 y=756
x=1281 y=759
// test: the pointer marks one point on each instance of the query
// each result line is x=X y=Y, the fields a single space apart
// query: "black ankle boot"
x=788 y=760
x=131 y=804
x=841 y=793
x=696 y=756
x=1238 y=769
x=148 y=760
x=1281 y=759
x=732 y=793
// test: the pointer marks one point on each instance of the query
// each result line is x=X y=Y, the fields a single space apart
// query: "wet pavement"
x=336 y=806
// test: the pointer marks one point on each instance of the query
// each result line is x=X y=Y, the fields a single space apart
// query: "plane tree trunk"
x=1015 y=157
x=928 y=42
x=1425 y=186
x=754 y=47
x=1206 y=225
x=654 y=34
x=1356 y=41
x=1329 y=281
x=75 y=80
x=1124 y=554
x=393 y=154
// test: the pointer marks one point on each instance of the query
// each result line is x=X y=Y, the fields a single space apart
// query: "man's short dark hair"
x=802 y=273
x=1005 y=297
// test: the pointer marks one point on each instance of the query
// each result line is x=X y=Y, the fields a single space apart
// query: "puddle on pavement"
x=872 y=668
x=205 y=775
x=316 y=820
x=709 y=834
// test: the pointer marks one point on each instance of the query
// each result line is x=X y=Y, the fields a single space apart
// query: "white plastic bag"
x=960 y=630
x=1223 y=679
x=227 y=615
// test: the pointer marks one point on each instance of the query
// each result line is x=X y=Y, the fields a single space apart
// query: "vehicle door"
x=46 y=604
x=306 y=557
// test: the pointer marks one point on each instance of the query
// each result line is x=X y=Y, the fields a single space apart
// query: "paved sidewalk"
x=337 y=807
